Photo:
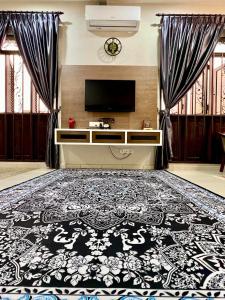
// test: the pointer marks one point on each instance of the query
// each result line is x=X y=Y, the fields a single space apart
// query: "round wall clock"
x=112 y=46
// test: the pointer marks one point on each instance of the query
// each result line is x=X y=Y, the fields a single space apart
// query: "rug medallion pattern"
x=112 y=229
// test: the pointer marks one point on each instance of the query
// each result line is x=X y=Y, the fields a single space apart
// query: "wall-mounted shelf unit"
x=106 y=137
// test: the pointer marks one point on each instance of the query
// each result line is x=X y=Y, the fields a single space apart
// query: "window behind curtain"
x=23 y=115
x=200 y=115
x=207 y=95
x=17 y=92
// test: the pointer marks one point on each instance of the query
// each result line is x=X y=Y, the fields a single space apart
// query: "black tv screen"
x=110 y=95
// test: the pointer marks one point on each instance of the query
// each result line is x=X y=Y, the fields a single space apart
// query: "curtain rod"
x=31 y=12
x=189 y=15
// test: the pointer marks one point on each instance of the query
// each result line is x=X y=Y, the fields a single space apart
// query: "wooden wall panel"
x=39 y=135
x=196 y=138
x=2 y=138
x=23 y=137
x=73 y=86
x=27 y=137
x=17 y=136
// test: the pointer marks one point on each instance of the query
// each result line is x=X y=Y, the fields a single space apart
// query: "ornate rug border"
x=58 y=291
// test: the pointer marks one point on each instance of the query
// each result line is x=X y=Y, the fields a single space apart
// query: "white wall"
x=94 y=156
x=80 y=47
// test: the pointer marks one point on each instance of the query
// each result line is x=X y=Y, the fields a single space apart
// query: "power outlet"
x=126 y=151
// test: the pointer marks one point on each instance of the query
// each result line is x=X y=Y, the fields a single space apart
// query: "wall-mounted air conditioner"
x=112 y=18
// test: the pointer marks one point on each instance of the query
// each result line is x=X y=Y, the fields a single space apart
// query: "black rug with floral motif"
x=111 y=230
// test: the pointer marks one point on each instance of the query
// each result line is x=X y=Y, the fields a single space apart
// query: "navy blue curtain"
x=37 y=38
x=186 y=45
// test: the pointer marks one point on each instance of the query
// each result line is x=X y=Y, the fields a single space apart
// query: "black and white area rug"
x=146 y=233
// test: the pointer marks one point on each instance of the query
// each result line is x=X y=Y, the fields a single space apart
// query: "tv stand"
x=109 y=137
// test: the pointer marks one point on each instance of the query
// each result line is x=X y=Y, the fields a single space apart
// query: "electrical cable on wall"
x=117 y=157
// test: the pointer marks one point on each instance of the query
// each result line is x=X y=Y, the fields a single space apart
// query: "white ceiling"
x=125 y=1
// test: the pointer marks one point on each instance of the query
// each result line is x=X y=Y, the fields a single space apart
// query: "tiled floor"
x=207 y=176
x=12 y=173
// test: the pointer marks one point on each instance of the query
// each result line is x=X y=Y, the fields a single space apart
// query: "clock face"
x=112 y=46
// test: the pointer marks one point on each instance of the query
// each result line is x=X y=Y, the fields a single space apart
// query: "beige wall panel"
x=73 y=90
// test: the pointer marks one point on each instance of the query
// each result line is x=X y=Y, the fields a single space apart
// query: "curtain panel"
x=186 y=45
x=4 y=21
x=37 y=38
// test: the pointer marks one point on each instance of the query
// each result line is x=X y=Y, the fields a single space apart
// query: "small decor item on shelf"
x=95 y=125
x=146 y=125
x=106 y=126
x=107 y=122
x=71 y=122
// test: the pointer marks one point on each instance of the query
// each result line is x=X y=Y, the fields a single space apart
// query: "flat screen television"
x=110 y=95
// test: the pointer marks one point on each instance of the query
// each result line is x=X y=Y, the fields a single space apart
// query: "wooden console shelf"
x=118 y=137
x=143 y=137
x=108 y=137
x=78 y=136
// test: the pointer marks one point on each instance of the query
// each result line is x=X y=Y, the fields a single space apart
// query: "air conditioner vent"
x=112 y=18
